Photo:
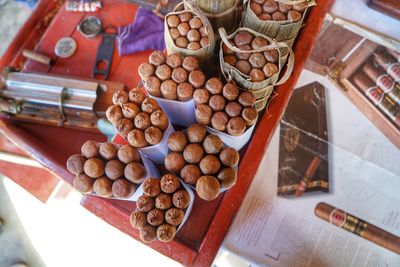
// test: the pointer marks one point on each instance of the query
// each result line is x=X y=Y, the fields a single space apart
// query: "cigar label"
x=312 y=168
x=357 y=226
x=375 y=94
x=394 y=71
x=389 y=64
x=385 y=83
x=383 y=80
x=384 y=102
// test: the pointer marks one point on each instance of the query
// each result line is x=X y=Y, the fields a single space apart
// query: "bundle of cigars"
x=160 y=209
x=171 y=77
x=273 y=10
x=107 y=169
x=138 y=118
x=198 y=156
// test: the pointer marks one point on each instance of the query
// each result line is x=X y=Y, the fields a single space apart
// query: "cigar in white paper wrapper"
x=189 y=208
x=178 y=112
x=225 y=146
x=236 y=142
x=140 y=192
x=158 y=152
x=151 y=172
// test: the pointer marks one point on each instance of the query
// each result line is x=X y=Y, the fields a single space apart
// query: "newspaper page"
x=364 y=181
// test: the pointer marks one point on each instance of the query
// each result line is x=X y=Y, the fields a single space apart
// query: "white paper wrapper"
x=189 y=208
x=152 y=172
x=236 y=142
x=180 y=113
x=158 y=152
x=140 y=192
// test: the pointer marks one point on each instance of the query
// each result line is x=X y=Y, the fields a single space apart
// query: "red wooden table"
x=199 y=240
x=35 y=179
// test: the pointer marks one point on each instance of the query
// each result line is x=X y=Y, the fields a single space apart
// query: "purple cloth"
x=145 y=33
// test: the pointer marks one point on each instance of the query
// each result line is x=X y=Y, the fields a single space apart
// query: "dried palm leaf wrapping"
x=222 y=13
x=215 y=6
x=262 y=89
x=285 y=30
x=205 y=53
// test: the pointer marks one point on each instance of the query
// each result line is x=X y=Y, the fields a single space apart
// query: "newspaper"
x=358 y=12
x=275 y=231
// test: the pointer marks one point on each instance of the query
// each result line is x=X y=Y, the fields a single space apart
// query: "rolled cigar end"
x=323 y=211
x=37 y=57
x=330 y=214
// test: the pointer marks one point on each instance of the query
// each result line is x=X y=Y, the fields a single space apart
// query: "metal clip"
x=63 y=118
x=335 y=72
x=104 y=56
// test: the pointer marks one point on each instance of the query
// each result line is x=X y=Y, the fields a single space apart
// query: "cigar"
x=389 y=64
x=357 y=226
x=394 y=53
x=37 y=57
x=383 y=81
x=312 y=168
x=376 y=95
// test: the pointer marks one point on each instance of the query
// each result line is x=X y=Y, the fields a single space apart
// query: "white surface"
x=350 y=130
x=12 y=17
x=358 y=11
x=365 y=181
x=236 y=142
x=66 y=235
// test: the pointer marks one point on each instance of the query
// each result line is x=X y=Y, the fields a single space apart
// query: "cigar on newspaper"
x=357 y=226
x=312 y=168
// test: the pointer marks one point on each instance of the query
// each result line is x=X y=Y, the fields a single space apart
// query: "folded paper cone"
x=158 y=152
x=178 y=112
x=236 y=142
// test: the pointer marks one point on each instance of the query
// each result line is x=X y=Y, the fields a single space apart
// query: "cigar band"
x=385 y=83
x=394 y=71
x=375 y=94
x=303 y=184
x=390 y=108
x=338 y=218
x=347 y=222
x=361 y=226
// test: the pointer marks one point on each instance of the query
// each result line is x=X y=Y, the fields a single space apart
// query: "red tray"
x=199 y=240
x=44 y=183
